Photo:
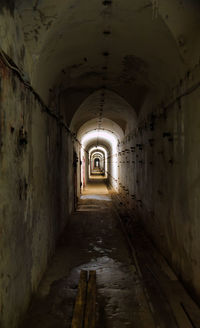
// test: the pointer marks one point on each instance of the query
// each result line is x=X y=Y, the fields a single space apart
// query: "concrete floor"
x=127 y=294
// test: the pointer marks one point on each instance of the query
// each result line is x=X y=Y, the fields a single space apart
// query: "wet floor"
x=94 y=240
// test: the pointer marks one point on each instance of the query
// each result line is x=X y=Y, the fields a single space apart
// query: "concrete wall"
x=35 y=197
x=159 y=168
x=112 y=168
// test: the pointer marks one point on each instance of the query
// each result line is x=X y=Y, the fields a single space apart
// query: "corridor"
x=100 y=162
x=135 y=285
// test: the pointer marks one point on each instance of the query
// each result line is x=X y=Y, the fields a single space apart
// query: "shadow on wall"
x=7 y=4
x=35 y=203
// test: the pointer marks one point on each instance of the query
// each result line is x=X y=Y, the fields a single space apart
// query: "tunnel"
x=100 y=163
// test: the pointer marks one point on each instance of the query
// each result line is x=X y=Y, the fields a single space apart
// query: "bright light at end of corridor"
x=100 y=136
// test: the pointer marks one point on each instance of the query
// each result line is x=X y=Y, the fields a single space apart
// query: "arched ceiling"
x=119 y=116
x=92 y=150
x=97 y=154
x=102 y=143
x=131 y=47
x=145 y=40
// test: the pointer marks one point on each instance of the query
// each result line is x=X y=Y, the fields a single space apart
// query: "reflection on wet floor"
x=93 y=240
x=97 y=197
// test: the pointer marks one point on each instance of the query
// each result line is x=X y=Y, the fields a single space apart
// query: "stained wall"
x=159 y=177
x=35 y=175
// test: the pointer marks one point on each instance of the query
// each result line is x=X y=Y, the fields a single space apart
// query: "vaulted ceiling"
x=132 y=48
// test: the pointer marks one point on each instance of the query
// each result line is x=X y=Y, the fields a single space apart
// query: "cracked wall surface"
x=132 y=68
x=35 y=158
x=159 y=178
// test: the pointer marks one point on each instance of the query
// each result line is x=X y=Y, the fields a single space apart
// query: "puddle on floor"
x=93 y=240
x=96 y=197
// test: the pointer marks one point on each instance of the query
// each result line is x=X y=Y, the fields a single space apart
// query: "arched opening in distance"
x=97 y=163
x=100 y=122
x=105 y=143
x=100 y=93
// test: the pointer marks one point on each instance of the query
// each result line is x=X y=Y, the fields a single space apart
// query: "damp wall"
x=113 y=170
x=36 y=190
x=159 y=177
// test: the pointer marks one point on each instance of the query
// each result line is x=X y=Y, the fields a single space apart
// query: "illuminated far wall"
x=101 y=158
x=97 y=139
x=97 y=157
x=101 y=150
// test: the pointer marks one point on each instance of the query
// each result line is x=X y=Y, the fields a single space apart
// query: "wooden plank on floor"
x=90 y=312
x=79 y=308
